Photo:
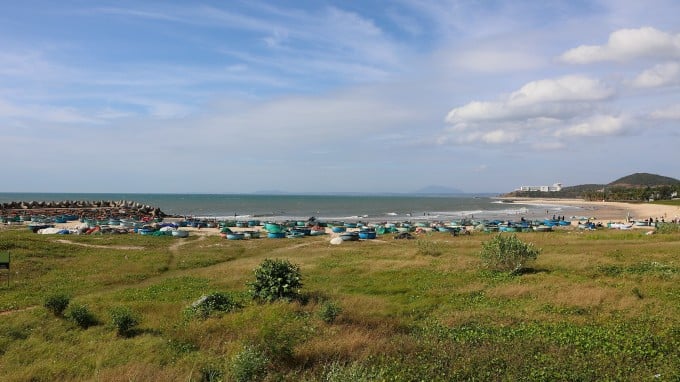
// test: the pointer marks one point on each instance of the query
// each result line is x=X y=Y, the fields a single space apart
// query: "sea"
x=369 y=208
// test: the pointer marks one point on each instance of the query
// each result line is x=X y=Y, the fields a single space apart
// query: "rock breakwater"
x=82 y=208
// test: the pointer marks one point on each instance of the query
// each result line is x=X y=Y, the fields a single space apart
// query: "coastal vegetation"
x=595 y=305
x=637 y=187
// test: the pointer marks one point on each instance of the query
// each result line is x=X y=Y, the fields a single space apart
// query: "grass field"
x=600 y=305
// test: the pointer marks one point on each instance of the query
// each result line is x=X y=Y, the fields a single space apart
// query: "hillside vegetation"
x=635 y=187
x=600 y=305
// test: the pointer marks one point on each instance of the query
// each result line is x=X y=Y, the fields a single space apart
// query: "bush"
x=124 y=320
x=214 y=302
x=667 y=228
x=507 y=253
x=250 y=364
x=276 y=280
x=57 y=304
x=329 y=311
x=82 y=316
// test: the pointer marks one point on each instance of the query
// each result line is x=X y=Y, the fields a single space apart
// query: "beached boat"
x=276 y=235
x=349 y=236
x=235 y=236
x=367 y=234
x=251 y=234
x=338 y=229
x=543 y=228
x=274 y=227
x=180 y=233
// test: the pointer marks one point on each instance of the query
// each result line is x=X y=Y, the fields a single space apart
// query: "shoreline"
x=602 y=211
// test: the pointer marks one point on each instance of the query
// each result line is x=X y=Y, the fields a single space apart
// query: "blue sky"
x=314 y=96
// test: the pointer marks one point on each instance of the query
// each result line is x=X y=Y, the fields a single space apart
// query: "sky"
x=325 y=96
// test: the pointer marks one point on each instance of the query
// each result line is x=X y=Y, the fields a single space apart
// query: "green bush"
x=124 y=320
x=276 y=280
x=329 y=311
x=214 y=302
x=507 y=253
x=667 y=228
x=82 y=316
x=250 y=364
x=57 y=304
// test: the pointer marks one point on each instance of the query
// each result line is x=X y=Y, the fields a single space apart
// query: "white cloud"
x=660 y=75
x=669 y=112
x=549 y=98
x=627 y=44
x=599 y=125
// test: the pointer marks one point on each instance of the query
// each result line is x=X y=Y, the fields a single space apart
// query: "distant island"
x=636 y=187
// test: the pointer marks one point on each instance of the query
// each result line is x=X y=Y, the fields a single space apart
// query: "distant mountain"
x=643 y=179
x=439 y=190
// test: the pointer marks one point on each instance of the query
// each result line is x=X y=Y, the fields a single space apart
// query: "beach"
x=604 y=212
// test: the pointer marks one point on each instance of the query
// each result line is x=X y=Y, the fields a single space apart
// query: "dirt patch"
x=123 y=247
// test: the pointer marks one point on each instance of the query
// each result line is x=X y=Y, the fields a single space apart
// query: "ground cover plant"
x=598 y=305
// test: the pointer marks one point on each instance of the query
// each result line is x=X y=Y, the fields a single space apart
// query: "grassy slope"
x=597 y=305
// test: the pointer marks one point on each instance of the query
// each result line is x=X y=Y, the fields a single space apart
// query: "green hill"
x=642 y=179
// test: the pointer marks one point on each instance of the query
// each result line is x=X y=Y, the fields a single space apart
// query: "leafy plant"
x=124 y=320
x=507 y=253
x=82 y=316
x=250 y=364
x=57 y=303
x=329 y=311
x=276 y=280
x=214 y=302
x=667 y=228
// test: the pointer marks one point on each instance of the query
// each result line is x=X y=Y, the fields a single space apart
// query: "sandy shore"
x=611 y=211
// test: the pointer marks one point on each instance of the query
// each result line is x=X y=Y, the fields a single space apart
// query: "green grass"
x=600 y=305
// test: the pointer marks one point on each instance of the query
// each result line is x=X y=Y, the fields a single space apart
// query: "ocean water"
x=323 y=207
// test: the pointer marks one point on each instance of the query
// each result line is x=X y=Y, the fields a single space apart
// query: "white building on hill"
x=555 y=187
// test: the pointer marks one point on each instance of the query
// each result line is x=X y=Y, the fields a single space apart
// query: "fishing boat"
x=251 y=234
x=274 y=227
x=235 y=236
x=338 y=229
x=350 y=236
x=367 y=234
x=180 y=233
x=276 y=235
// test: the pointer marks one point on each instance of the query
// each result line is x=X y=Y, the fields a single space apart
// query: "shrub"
x=329 y=311
x=57 y=304
x=667 y=228
x=82 y=316
x=250 y=364
x=507 y=253
x=214 y=302
x=124 y=320
x=276 y=279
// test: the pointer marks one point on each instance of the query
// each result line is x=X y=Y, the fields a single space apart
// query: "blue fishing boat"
x=350 y=236
x=235 y=236
x=276 y=235
x=367 y=234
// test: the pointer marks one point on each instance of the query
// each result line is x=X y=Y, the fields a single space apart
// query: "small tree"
x=57 y=304
x=276 y=279
x=124 y=320
x=507 y=253
x=81 y=316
